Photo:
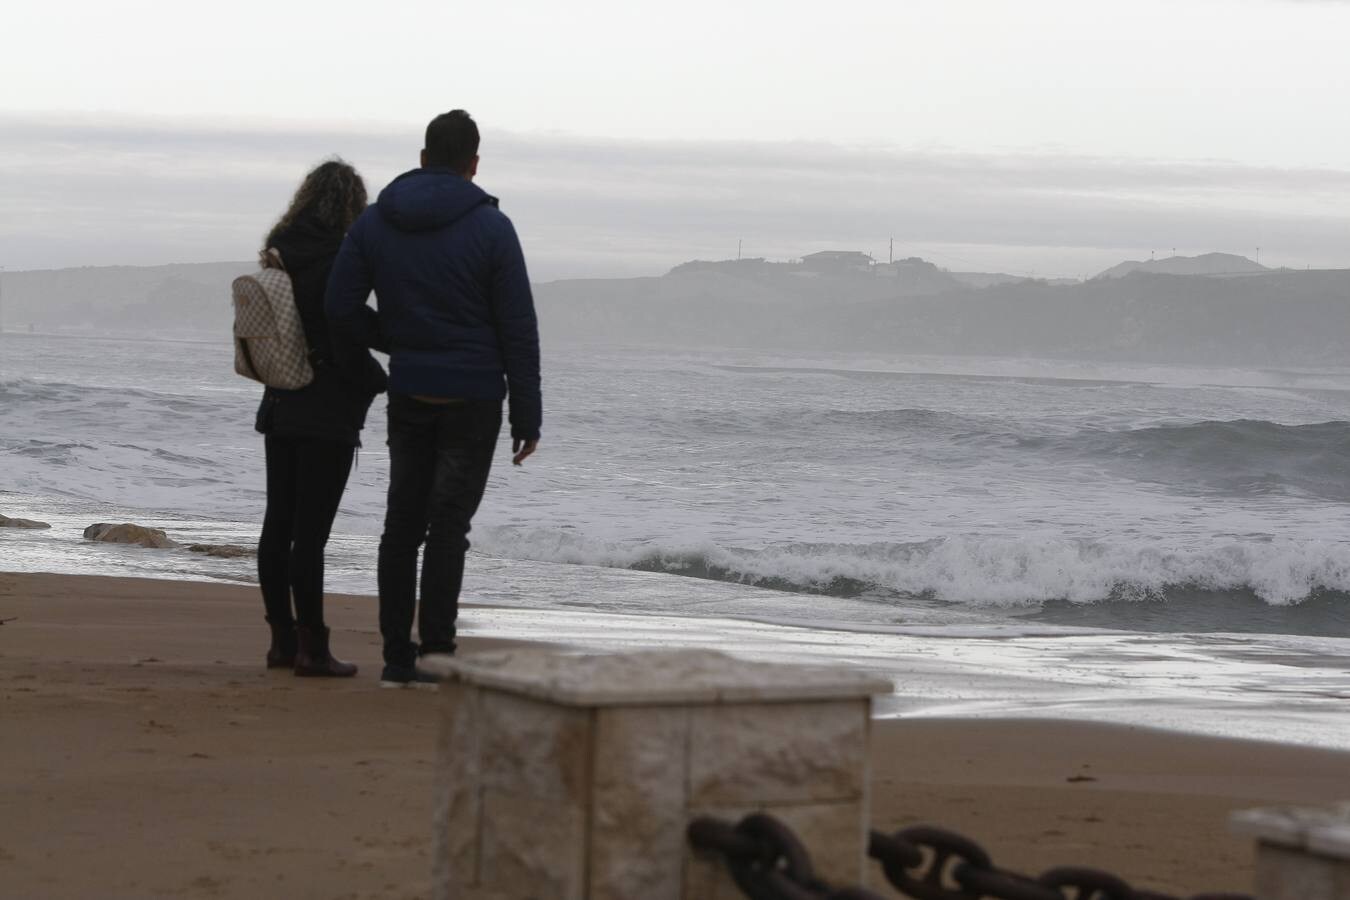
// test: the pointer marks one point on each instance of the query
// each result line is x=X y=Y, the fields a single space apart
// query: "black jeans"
x=439 y=459
x=305 y=481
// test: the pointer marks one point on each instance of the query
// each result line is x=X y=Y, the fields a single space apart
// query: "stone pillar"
x=566 y=776
x=1301 y=854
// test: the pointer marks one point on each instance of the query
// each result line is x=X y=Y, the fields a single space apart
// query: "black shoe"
x=281 y=655
x=314 y=660
x=406 y=676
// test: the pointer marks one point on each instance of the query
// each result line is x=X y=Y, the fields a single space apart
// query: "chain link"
x=768 y=862
x=1076 y=883
x=953 y=867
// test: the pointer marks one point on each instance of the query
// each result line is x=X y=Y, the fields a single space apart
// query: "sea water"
x=1041 y=537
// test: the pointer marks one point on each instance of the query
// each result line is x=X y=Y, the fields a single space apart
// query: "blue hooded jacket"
x=455 y=310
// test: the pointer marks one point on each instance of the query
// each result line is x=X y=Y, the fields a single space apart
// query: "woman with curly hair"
x=311 y=434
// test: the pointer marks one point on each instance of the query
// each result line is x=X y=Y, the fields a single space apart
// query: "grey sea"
x=1162 y=545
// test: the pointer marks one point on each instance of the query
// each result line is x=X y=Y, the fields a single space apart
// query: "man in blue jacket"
x=457 y=319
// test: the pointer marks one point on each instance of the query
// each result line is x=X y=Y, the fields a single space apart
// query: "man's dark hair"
x=452 y=140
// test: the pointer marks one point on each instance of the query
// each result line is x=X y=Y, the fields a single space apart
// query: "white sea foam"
x=978 y=571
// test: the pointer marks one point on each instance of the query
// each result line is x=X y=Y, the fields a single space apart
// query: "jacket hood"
x=430 y=198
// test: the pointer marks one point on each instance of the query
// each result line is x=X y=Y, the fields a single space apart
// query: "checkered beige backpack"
x=269 y=341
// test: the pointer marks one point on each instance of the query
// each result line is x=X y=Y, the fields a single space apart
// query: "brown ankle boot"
x=313 y=658
x=281 y=655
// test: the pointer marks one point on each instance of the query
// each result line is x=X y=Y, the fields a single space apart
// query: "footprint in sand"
x=207 y=883
x=229 y=852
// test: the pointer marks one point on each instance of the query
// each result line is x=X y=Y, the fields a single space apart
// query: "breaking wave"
x=975 y=571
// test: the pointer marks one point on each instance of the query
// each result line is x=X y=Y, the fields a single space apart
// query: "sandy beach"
x=145 y=751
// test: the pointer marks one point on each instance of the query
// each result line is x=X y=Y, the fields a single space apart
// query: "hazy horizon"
x=147 y=192
x=1145 y=264
x=1049 y=138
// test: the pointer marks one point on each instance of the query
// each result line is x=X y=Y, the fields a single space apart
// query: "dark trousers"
x=305 y=481
x=439 y=459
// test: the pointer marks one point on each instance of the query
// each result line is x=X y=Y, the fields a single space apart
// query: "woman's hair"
x=333 y=193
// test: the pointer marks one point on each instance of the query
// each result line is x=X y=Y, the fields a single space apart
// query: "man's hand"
x=523 y=450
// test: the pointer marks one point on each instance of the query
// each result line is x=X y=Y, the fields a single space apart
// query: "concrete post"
x=1301 y=854
x=565 y=776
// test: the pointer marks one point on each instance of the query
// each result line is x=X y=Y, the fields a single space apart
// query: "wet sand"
x=144 y=751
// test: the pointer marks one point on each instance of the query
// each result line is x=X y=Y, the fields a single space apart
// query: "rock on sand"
x=223 y=551
x=7 y=522
x=127 y=533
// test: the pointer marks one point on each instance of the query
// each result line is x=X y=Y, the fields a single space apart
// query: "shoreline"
x=142 y=735
x=1282 y=688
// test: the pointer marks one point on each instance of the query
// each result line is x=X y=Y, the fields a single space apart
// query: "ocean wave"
x=970 y=570
x=59 y=452
x=180 y=398
x=909 y=423
x=1240 y=436
x=907 y=418
x=1245 y=456
x=1239 y=458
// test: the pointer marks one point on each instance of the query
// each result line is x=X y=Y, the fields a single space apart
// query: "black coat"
x=454 y=299
x=333 y=406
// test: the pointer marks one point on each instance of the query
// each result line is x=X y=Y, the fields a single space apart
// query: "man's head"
x=452 y=142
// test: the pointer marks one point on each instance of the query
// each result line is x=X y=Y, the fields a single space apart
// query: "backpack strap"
x=273 y=260
x=242 y=344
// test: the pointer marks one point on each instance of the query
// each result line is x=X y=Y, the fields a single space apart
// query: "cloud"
x=99 y=191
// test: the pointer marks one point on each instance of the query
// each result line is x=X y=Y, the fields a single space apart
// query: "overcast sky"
x=1038 y=136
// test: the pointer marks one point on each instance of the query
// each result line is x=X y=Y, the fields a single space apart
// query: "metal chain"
x=929 y=863
x=768 y=862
